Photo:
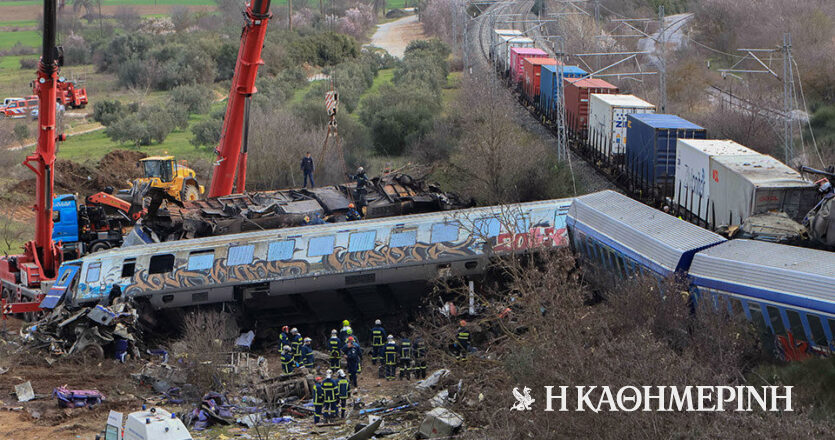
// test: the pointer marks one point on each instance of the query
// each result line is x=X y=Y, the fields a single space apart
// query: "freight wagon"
x=550 y=83
x=517 y=56
x=507 y=43
x=496 y=40
x=651 y=151
x=532 y=68
x=607 y=123
x=577 y=93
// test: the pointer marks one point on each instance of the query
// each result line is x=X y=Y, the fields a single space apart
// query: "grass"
x=27 y=38
x=119 y=2
x=383 y=76
x=12 y=62
x=450 y=92
x=17 y=23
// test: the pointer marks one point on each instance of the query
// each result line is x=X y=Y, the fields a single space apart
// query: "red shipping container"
x=517 y=56
x=577 y=93
x=532 y=68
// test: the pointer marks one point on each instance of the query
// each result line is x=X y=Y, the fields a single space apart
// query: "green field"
x=27 y=38
x=118 y=2
x=17 y=23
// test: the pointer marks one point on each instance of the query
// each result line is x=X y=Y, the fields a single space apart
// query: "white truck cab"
x=151 y=424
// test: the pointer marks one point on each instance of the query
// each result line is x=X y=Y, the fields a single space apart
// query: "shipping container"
x=517 y=56
x=577 y=93
x=607 y=122
x=651 y=150
x=742 y=186
x=550 y=83
x=510 y=43
x=496 y=40
x=533 y=72
x=692 y=190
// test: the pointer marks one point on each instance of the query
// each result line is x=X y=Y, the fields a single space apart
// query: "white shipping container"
x=510 y=43
x=742 y=186
x=496 y=40
x=607 y=121
x=692 y=190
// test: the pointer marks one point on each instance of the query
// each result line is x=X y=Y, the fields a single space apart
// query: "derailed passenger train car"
x=370 y=264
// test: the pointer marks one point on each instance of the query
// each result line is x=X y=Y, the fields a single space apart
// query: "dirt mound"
x=114 y=169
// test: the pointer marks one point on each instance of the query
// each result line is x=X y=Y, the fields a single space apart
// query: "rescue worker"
x=307 y=353
x=352 y=213
x=334 y=350
x=378 y=335
x=283 y=339
x=353 y=356
x=329 y=386
x=318 y=399
x=343 y=388
x=296 y=342
x=462 y=341
x=420 y=358
x=287 y=364
x=390 y=353
x=307 y=169
x=306 y=220
x=362 y=181
x=317 y=219
x=353 y=340
x=406 y=358
x=343 y=333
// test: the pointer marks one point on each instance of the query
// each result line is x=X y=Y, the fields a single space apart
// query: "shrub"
x=398 y=116
x=75 y=50
x=206 y=133
x=323 y=49
x=196 y=99
x=21 y=131
x=28 y=63
x=107 y=111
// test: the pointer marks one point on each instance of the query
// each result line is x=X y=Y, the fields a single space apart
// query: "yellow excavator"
x=176 y=180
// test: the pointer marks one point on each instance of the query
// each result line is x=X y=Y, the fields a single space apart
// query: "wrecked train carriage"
x=374 y=266
x=390 y=195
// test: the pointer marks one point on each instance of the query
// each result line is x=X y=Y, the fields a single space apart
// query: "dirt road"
x=396 y=35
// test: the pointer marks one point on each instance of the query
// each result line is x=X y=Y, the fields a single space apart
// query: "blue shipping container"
x=549 y=84
x=651 y=148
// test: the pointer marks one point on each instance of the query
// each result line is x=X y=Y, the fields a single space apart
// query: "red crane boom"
x=231 y=153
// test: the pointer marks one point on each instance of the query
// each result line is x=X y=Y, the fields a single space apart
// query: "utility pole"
x=788 y=95
x=662 y=60
x=597 y=11
x=562 y=135
x=290 y=15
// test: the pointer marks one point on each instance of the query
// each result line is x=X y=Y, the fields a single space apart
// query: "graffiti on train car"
x=383 y=255
x=535 y=237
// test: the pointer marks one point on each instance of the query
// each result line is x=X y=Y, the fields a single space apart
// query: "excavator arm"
x=231 y=152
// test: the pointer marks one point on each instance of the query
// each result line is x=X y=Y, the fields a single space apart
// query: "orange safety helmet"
x=463 y=323
x=351 y=205
x=285 y=329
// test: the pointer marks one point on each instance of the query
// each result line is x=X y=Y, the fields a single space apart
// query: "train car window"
x=523 y=224
x=281 y=250
x=816 y=326
x=319 y=246
x=93 y=272
x=756 y=315
x=736 y=306
x=776 y=320
x=201 y=260
x=361 y=241
x=796 y=325
x=487 y=227
x=161 y=264
x=559 y=217
x=128 y=267
x=240 y=255
x=444 y=232
x=403 y=238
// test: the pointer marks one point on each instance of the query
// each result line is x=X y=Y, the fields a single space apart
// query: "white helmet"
x=360 y=170
x=390 y=338
x=328 y=375
x=287 y=348
x=334 y=332
x=307 y=340
x=294 y=331
x=341 y=373
x=378 y=322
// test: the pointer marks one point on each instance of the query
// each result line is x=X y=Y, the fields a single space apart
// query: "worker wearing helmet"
x=318 y=399
x=329 y=385
x=362 y=182
x=287 y=364
x=343 y=332
x=283 y=339
x=343 y=388
x=296 y=342
x=378 y=336
x=334 y=350
x=390 y=354
x=419 y=349
x=307 y=353
x=462 y=341
x=352 y=213
x=405 y=358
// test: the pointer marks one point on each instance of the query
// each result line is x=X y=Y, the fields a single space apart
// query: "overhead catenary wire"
x=809 y=118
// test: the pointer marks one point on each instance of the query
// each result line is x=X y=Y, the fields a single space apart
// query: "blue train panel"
x=651 y=148
x=626 y=235
x=549 y=83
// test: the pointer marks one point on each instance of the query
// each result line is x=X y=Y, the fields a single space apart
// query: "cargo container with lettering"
x=742 y=186
x=577 y=93
x=607 y=123
x=533 y=68
x=517 y=56
x=692 y=190
x=550 y=83
x=504 y=49
x=651 y=150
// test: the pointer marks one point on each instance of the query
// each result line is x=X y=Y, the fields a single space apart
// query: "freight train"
x=783 y=290
x=662 y=160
